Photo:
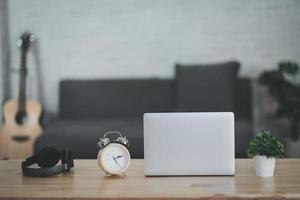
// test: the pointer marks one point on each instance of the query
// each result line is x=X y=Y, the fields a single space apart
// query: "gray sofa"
x=88 y=108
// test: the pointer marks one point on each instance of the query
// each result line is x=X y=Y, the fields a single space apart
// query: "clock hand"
x=117 y=162
x=120 y=156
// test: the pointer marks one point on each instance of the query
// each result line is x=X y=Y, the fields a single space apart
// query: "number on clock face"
x=114 y=158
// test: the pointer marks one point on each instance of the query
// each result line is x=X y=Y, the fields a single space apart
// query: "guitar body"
x=16 y=140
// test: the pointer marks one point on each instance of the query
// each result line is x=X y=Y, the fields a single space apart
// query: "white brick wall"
x=144 y=38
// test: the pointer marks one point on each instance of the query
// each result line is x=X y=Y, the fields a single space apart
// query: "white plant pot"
x=264 y=166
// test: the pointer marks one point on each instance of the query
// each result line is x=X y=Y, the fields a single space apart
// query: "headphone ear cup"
x=48 y=157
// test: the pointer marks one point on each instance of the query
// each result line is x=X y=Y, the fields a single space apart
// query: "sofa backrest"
x=115 y=98
x=243 y=99
x=206 y=87
x=213 y=88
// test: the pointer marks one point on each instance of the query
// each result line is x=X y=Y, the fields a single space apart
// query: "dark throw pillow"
x=206 y=88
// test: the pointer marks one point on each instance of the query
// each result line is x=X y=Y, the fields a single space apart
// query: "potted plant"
x=265 y=148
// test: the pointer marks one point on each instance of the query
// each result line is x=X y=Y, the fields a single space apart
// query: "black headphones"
x=47 y=159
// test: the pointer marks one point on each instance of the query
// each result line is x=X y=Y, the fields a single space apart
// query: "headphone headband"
x=40 y=172
x=47 y=159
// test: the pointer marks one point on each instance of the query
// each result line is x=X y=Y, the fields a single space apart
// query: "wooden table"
x=87 y=181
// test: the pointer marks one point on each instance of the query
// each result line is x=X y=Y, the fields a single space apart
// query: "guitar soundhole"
x=21 y=117
x=21 y=138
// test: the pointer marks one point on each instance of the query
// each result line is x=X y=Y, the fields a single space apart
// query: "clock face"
x=114 y=158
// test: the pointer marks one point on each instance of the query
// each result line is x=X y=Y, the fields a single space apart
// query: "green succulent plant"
x=265 y=144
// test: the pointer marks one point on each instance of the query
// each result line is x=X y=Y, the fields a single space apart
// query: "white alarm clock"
x=113 y=157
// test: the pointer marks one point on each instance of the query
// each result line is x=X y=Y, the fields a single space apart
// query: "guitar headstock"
x=24 y=41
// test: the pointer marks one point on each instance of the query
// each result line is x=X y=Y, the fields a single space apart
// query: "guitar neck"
x=22 y=86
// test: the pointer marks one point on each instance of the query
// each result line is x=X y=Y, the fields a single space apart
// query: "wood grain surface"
x=87 y=181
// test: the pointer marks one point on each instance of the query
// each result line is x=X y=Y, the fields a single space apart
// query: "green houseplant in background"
x=265 y=148
x=284 y=86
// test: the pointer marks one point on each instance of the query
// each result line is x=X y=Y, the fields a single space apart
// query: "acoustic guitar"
x=22 y=116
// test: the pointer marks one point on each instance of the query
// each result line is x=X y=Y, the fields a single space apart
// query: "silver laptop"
x=189 y=144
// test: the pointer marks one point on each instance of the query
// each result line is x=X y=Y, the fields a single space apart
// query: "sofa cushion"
x=81 y=99
x=206 y=87
x=81 y=136
x=243 y=99
x=243 y=135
